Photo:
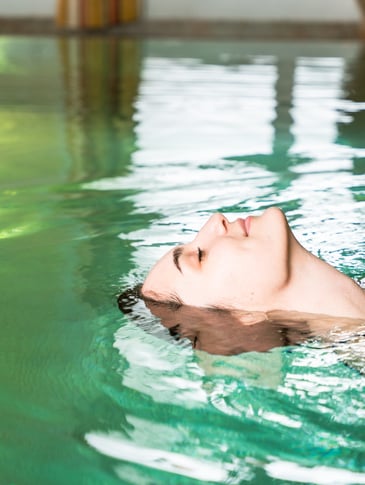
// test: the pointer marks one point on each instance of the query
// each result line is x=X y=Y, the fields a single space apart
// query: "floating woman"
x=254 y=264
x=249 y=285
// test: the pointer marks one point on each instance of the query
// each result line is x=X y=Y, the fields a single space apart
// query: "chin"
x=275 y=212
x=275 y=221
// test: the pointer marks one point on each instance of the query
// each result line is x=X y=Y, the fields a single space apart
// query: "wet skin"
x=253 y=264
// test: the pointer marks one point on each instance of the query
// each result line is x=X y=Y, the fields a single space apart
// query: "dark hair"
x=128 y=299
x=215 y=330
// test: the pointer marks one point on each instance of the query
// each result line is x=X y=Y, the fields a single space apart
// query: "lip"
x=245 y=224
x=248 y=224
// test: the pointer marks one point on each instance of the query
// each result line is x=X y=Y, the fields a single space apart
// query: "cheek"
x=219 y=277
x=245 y=274
x=230 y=273
x=250 y=275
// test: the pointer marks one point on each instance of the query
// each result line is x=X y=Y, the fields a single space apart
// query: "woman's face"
x=241 y=264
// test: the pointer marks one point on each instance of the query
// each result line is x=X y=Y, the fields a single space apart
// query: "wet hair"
x=128 y=298
x=215 y=330
x=138 y=308
x=131 y=296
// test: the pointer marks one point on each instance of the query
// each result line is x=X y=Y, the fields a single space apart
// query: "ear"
x=250 y=318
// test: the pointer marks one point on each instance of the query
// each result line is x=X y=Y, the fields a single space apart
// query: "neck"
x=317 y=287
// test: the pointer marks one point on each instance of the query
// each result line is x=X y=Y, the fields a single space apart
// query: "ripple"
x=115 y=446
x=318 y=475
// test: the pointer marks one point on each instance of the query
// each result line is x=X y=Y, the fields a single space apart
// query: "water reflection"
x=108 y=167
x=66 y=111
x=352 y=123
x=204 y=111
x=227 y=131
x=229 y=333
x=101 y=81
x=116 y=446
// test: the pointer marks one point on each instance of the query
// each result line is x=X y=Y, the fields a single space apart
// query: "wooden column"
x=96 y=14
x=361 y=4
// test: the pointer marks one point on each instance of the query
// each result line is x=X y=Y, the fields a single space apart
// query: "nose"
x=217 y=225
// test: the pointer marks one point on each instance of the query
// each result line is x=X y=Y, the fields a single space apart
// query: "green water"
x=112 y=150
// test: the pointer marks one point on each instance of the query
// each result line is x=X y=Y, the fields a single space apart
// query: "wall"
x=310 y=10
x=25 y=8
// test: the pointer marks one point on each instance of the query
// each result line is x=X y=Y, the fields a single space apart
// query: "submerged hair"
x=215 y=330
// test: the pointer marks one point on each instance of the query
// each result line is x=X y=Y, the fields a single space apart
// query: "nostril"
x=218 y=223
x=224 y=223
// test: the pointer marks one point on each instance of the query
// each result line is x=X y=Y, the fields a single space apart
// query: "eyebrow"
x=176 y=253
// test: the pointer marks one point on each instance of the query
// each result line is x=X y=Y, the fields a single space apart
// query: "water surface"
x=113 y=150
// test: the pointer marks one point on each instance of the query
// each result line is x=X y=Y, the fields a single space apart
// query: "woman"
x=253 y=264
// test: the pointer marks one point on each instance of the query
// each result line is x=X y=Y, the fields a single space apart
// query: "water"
x=111 y=151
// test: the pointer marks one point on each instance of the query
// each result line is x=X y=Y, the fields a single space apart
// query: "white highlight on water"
x=117 y=447
x=318 y=475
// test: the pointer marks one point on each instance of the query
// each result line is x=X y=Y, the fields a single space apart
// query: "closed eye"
x=200 y=254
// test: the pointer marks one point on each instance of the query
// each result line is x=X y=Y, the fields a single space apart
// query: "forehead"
x=161 y=280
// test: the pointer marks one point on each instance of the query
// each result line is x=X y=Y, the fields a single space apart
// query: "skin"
x=231 y=332
x=254 y=264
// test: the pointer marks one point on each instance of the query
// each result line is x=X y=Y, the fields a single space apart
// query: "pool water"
x=113 y=150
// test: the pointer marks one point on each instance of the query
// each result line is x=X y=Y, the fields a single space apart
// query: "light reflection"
x=148 y=357
x=17 y=231
x=116 y=446
x=318 y=475
x=202 y=112
x=316 y=92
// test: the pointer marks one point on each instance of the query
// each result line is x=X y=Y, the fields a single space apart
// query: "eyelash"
x=200 y=254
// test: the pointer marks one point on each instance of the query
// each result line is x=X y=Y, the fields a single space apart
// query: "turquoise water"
x=111 y=151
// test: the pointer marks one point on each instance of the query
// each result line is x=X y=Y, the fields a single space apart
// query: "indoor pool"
x=112 y=151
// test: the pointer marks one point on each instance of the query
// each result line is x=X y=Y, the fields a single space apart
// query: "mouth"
x=248 y=224
x=245 y=225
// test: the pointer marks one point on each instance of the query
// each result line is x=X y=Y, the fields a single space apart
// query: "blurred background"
x=106 y=13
